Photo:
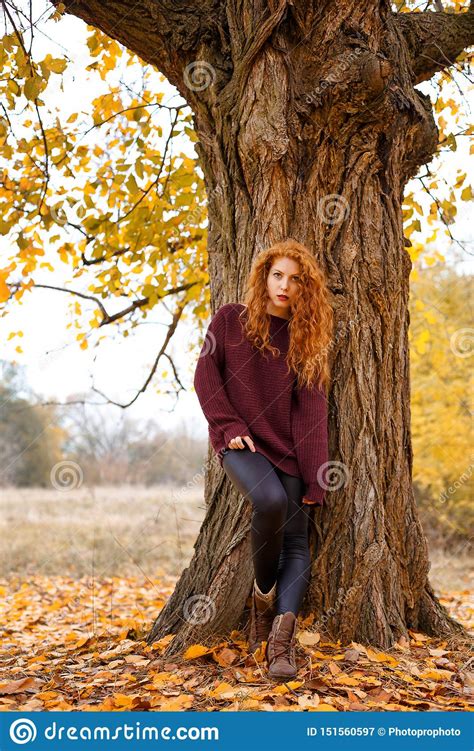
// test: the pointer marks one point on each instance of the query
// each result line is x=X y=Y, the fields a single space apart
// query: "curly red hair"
x=312 y=319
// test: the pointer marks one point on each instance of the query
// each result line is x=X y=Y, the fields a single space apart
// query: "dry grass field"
x=130 y=531
x=102 y=531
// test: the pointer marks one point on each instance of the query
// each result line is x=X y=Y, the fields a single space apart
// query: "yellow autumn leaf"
x=223 y=689
x=124 y=700
x=196 y=650
x=437 y=675
x=177 y=703
x=381 y=657
x=226 y=657
x=325 y=708
x=417 y=636
x=319 y=655
x=33 y=86
x=54 y=64
x=4 y=290
x=287 y=686
x=346 y=680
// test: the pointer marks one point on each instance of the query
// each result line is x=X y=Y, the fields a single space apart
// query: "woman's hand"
x=238 y=443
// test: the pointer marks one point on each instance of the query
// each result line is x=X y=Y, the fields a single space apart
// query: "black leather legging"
x=279 y=534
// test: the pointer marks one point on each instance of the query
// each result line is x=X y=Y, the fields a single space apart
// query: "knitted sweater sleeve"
x=310 y=435
x=209 y=383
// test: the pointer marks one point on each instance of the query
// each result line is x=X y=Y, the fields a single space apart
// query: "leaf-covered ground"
x=79 y=644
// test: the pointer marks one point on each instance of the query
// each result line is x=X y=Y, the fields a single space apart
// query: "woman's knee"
x=270 y=501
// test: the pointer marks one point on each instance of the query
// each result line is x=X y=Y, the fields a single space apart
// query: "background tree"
x=441 y=403
x=31 y=435
x=308 y=124
x=124 y=450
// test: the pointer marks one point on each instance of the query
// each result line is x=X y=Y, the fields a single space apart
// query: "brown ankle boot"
x=262 y=613
x=280 y=650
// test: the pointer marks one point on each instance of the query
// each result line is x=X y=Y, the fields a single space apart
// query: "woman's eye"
x=295 y=278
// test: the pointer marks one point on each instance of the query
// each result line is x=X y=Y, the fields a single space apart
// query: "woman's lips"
x=282 y=297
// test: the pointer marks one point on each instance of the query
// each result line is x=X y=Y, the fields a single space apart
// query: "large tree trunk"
x=310 y=127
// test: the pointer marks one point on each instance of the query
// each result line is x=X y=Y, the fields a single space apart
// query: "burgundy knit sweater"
x=243 y=393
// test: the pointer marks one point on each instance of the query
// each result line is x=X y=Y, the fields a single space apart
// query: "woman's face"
x=283 y=285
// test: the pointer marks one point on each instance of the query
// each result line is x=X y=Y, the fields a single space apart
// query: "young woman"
x=261 y=379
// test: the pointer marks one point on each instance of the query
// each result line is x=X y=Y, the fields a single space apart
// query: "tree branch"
x=106 y=317
x=169 y=335
x=435 y=39
x=166 y=34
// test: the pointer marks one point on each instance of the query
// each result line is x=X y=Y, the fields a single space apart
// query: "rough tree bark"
x=309 y=126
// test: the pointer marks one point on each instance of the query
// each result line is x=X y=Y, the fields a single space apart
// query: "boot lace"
x=284 y=646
